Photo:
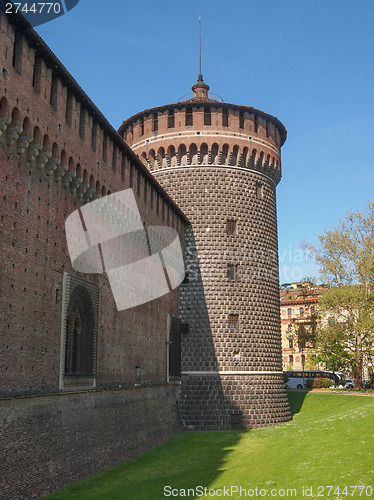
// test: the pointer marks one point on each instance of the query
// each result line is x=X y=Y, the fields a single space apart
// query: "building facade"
x=299 y=308
x=221 y=163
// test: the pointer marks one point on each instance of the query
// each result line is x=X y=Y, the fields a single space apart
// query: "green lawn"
x=329 y=442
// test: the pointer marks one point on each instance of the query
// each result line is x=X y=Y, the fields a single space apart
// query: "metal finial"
x=199 y=45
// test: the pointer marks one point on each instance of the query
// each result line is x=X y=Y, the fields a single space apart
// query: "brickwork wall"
x=57 y=151
x=48 y=442
x=221 y=169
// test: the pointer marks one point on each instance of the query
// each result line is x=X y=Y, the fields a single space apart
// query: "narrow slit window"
x=234 y=322
x=259 y=191
x=171 y=119
x=207 y=117
x=189 y=119
x=141 y=130
x=155 y=122
x=241 y=119
x=231 y=271
x=225 y=117
x=231 y=226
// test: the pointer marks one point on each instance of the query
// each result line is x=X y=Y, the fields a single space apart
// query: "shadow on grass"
x=187 y=461
x=296 y=400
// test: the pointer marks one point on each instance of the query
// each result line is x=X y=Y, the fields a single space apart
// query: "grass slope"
x=330 y=441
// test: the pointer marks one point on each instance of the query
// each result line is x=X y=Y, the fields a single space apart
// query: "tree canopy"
x=345 y=255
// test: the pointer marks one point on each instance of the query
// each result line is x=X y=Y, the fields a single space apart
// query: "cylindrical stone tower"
x=221 y=163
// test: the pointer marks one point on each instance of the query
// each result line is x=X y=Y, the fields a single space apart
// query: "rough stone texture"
x=217 y=174
x=51 y=441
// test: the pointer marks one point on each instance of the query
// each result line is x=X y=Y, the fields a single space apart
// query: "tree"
x=346 y=259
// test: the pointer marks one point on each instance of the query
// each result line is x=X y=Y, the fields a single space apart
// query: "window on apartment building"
x=189 y=116
x=231 y=226
x=301 y=310
x=241 y=119
x=225 y=117
x=231 y=271
x=234 y=322
x=207 y=116
x=290 y=359
x=289 y=328
x=312 y=310
x=171 y=118
x=155 y=122
x=289 y=312
x=290 y=343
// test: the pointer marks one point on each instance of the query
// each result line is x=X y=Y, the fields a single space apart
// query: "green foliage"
x=326 y=429
x=321 y=383
x=286 y=378
x=345 y=337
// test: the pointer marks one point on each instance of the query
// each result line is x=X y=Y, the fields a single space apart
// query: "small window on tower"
x=241 y=119
x=141 y=126
x=259 y=191
x=234 y=322
x=207 y=117
x=231 y=271
x=231 y=226
x=225 y=117
x=155 y=122
x=189 y=119
x=171 y=118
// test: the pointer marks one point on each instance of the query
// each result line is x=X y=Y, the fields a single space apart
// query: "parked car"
x=349 y=384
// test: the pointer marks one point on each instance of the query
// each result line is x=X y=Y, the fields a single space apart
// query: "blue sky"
x=308 y=62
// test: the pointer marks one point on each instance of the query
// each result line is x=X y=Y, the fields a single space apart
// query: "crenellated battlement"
x=206 y=133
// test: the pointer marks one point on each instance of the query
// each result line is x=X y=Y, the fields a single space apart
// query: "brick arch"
x=223 y=154
x=171 y=156
x=204 y=154
x=193 y=157
x=161 y=160
x=152 y=159
x=252 y=159
x=234 y=155
x=182 y=154
x=4 y=108
x=214 y=153
x=26 y=126
x=16 y=118
x=244 y=157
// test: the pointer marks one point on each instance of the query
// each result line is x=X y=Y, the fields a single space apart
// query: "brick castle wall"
x=57 y=152
x=50 y=441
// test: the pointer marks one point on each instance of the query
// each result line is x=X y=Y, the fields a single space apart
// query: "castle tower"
x=221 y=163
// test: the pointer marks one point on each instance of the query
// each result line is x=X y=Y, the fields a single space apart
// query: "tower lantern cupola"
x=200 y=90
